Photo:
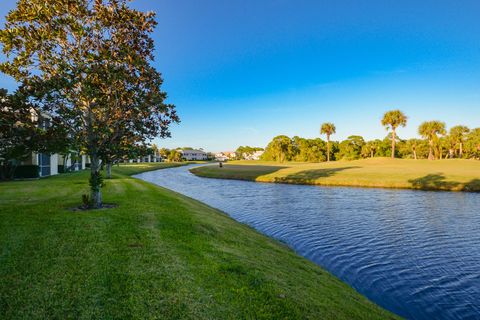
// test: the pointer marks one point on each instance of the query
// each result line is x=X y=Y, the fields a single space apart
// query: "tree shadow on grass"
x=437 y=181
x=310 y=176
x=472 y=186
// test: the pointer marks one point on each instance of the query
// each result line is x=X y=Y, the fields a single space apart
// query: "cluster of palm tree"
x=429 y=130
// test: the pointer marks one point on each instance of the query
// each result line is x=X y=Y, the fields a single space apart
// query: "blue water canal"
x=415 y=253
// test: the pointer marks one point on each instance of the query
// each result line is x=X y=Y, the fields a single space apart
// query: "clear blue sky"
x=243 y=71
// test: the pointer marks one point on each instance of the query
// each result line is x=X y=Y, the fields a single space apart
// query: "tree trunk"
x=430 y=150
x=109 y=170
x=11 y=170
x=64 y=163
x=415 y=154
x=371 y=154
x=461 y=151
x=328 y=148
x=3 y=171
x=393 y=144
x=95 y=182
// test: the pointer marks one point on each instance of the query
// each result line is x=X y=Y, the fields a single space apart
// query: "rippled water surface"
x=415 y=253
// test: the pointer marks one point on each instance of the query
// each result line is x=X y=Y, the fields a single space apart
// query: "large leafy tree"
x=430 y=131
x=370 y=147
x=23 y=130
x=279 y=149
x=458 y=135
x=18 y=133
x=175 y=156
x=391 y=121
x=126 y=146
x=89 y=63
x=309 y=150
x=351 y=148
x=328 y=129
x=164 y=152
x=472 y=144
x=413 y=146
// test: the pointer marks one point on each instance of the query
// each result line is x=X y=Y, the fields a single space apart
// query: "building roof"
x=192 y=151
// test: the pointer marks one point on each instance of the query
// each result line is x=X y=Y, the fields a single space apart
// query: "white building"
x=52 y=164
x=192 y=155
x=220 y=157
x=49 y=164
x=253 y=156
x=225 y=155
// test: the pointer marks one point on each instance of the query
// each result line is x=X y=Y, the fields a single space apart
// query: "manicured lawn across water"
x=157 y=255
x=452 y=174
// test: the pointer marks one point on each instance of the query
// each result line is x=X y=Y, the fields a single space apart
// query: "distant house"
x=220 y=157
x=147 y=158
x=225 y=155
x=47 y=163
x=192 y=155
x=230 y=154
x=253 y=156
x=152 y=158
x=52 y=164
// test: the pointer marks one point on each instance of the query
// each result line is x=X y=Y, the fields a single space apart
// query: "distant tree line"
x=242 y=151
x=174 y=155
x=436 y=143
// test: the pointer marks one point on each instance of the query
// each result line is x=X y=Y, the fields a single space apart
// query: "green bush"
x=27 y=171
x=61 y=168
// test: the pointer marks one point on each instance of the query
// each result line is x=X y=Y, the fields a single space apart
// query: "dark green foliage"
x=309 y=150
x=21 y=132
x=86 y=201
x=351 y=148
x=280 y=149
x=27 y=172
x=96 y=181
x=472 y=144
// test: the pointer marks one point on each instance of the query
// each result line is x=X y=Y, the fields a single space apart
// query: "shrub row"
x=27 y=172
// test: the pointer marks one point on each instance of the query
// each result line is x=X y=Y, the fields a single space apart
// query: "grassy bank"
x=157 y=255
x=454 y=175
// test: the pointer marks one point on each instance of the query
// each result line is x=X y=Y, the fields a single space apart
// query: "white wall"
x=53 y=164
x=84 y=161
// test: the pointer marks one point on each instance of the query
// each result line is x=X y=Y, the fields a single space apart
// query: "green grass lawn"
x=455 y=175
x=157 y=255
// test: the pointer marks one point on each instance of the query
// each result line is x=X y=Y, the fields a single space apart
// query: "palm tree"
x=392 y=120
x=429 y=130
x=328 y=129
x=370 y=148
x=458 y=134
x=412 y=145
